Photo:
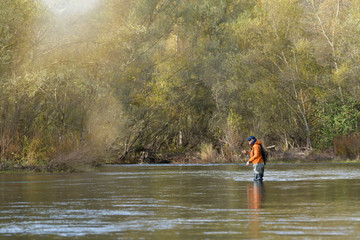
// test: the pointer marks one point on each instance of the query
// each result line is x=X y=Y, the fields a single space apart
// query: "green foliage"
x=135 y=77
x=336 y=118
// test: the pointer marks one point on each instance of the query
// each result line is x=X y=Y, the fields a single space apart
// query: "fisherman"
x=256 y=158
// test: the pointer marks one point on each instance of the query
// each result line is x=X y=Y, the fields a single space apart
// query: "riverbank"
x=87 y=161
x=83 y=160
x=71 y=167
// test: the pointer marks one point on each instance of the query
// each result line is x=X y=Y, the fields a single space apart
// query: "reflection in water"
x=255 y=194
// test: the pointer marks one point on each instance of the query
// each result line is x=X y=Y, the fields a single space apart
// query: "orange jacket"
x=255 y=154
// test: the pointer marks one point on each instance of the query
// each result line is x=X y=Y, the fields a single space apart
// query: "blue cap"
x=251 y=138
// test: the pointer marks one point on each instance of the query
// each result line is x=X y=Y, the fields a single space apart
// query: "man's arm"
x=257 y=153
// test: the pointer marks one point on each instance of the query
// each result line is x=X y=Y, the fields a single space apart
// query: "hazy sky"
x=70 y=7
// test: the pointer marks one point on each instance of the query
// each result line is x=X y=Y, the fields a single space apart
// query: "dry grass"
x=347 y=146
x=78 y=160
x=208 y=154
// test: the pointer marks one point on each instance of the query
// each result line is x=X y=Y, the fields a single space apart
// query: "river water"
x=295 y=201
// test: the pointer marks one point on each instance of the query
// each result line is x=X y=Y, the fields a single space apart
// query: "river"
x=295 y=201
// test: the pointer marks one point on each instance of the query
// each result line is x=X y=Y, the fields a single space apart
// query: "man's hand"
x=247 y=163
x=244 y=151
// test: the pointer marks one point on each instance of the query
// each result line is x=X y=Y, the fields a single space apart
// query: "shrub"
x=208 y=153
x=335 y=118
x=347 y=146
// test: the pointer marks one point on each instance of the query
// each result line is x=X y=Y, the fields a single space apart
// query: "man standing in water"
x=256 y=158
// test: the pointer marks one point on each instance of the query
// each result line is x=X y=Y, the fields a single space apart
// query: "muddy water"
x=295 y=201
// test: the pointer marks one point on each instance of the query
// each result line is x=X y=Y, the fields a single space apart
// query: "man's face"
x=250 y=141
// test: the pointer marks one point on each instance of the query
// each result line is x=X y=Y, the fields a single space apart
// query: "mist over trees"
x=128 y=77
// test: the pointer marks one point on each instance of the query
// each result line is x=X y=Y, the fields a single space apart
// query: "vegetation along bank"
x=143 y=81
